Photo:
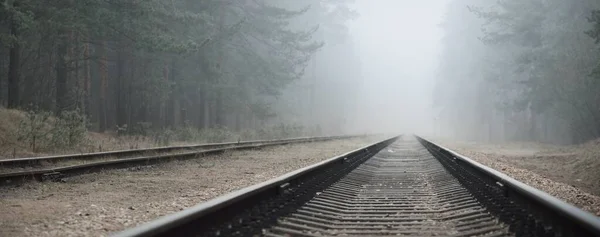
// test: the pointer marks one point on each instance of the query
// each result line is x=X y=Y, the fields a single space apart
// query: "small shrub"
x=69 y=129
x=141 y=129
x=187 y=133
x=248 y=134
x=34 y=129
x=286 y=131
x=164 y=138
x=219 y=134
x=41 y=131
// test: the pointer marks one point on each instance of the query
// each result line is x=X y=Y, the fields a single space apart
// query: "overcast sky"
x=399 y=42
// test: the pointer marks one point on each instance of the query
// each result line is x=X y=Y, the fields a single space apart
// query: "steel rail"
x=402 y=190
x=399 y=191
x=222 y=209
x=55 y=173
x=542 y=211
x=123 y=153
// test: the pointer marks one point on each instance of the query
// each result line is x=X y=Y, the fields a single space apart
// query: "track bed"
x=102 y=203
x=396 y=187
x=401 y=191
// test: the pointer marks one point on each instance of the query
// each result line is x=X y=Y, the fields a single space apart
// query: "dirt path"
x=571 y=173
x=102 y=203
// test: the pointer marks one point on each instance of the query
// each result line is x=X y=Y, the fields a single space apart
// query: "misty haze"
x=206 y=97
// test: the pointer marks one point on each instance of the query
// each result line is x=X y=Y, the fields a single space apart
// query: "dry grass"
x=110 y=142
x=9 y=125
x=12 y=147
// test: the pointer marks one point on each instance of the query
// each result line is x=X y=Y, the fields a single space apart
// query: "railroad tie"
x=402 y=191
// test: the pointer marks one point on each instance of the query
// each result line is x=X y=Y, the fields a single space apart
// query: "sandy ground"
x=102 y=203
x=571 y=173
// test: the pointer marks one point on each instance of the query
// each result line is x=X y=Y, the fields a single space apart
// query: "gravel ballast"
x=103 y=203
x=541 y=166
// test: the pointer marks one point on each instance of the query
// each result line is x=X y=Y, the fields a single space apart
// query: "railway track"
x=15 y=171
x=402 y=190
x=395 y=188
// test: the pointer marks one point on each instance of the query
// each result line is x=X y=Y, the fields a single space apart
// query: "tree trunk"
x=14 y=66
x=173 y=94
x=219 y=111
x=197 y=111
x=504 y=125
x=121 y=117
x=2 y=58
x=238 y=121
x=86 y=82
x=206 y=108
x=103 y=66
x=80 y=83
x=490 y=126
x=164 y=117
x=532 y=126
x=61 y=74
x=183 y=115
x=130 y=92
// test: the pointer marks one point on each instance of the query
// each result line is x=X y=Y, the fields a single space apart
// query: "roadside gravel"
x=102 y=203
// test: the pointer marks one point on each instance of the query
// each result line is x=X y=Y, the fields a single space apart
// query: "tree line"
x=524 y=70
x=159 y=64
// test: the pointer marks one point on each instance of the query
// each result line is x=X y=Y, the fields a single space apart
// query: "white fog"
x=299 y=118
x=398 y=43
